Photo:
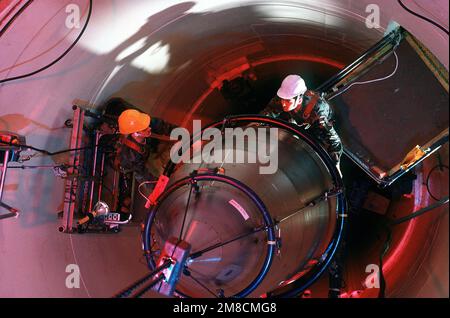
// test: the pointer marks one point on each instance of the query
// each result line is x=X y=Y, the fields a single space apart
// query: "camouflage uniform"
x=319 y=122
x=132 y=157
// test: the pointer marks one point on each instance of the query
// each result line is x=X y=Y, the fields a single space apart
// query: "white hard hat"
x=292 y=85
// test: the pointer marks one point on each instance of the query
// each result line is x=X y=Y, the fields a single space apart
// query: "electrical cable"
x=139 y=188
x=420 y=212
x=129 y=290
x=39 y=167
x=423 y=17
x=48 y=153
x=185 y=213
x=198 y=254
x=440 y=166
x=57 y=59
x=14 y=17
x=371 y=81
x=433 y=14
x=388 y=241
x=189 y=274
x=145 y=289
x=76 y=262
x=386 y=247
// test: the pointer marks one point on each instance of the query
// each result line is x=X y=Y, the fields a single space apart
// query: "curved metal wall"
x=184 y=42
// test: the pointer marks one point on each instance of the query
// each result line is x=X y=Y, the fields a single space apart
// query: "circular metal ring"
x=268 y=224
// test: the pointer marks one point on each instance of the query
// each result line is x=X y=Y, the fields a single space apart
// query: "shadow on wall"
x=143 y=44
x=16 y=122
x=176 y=46
x=34 y=204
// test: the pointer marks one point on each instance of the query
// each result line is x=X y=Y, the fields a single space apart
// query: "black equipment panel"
x=381 y=122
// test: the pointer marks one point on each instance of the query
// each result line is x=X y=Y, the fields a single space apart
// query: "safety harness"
x=314 y=98
x=139 y=148
x=129 y=144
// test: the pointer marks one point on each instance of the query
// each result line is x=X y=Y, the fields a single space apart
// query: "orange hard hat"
x=131 y=121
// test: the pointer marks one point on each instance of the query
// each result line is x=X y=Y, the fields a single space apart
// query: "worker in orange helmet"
x=134 y=150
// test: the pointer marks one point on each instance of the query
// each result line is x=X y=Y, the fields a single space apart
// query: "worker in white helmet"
x=296 y=104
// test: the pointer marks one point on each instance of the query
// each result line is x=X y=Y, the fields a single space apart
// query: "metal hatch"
x=389 y=126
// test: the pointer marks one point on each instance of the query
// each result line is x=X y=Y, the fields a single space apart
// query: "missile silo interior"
x=206 y=60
